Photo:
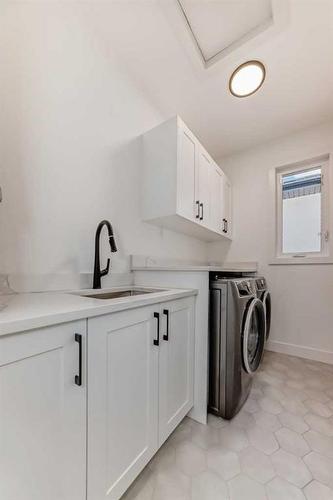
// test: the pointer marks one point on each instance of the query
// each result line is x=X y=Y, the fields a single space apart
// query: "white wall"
x=302 y=296
x=69 y=122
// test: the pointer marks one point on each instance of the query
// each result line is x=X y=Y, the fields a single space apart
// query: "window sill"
x=300 y=261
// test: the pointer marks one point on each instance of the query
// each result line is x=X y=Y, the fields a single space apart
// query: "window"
x=302 y=211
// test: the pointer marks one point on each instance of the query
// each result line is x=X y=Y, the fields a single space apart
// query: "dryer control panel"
x=261 y=284
x=244 y=288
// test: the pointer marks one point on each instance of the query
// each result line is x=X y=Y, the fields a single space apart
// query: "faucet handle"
x=106 y=270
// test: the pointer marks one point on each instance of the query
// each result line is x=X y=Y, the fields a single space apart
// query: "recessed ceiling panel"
x=218 y=26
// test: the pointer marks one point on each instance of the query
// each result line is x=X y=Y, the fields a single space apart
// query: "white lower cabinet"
x=122 y=400
x=68 y=434
x=176 y=365
x=43 y=414
x=140 y=387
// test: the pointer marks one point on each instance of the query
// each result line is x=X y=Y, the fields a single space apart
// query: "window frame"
x=325 y=255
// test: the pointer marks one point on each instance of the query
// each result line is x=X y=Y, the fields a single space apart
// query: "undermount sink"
x=131 y=292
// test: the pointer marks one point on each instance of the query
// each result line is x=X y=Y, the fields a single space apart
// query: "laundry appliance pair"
x=240 y=312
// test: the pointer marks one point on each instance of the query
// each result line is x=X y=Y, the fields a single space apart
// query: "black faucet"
x=98 y=273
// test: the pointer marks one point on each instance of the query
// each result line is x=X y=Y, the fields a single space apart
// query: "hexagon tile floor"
x=279 y=447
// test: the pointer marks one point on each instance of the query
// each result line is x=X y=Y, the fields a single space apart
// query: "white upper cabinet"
x=226 y=206
x=182 y=186
x=203 y=198
x=216 y=177
x=187 y=154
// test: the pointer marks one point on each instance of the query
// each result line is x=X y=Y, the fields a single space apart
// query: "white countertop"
x=151 y=263
x=25 y=311
x=248 y=269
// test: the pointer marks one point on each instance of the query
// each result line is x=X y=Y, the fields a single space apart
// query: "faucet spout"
x=98 y=272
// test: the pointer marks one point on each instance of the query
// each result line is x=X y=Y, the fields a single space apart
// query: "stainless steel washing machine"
x=236 y=343
x=264 y=295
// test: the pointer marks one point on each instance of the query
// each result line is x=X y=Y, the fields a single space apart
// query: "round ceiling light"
x=247 y=78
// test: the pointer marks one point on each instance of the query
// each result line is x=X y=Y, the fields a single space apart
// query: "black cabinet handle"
x=226 y=226
x=198 y=209
x=166 y=336
x=78 y=378
x=202 y=212
x=157 y=340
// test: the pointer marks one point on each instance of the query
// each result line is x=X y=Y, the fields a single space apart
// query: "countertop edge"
x=194 y=269
x=25 y=324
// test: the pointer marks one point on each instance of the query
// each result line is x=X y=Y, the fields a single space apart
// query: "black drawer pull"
x=198 y=209
x=157 y=340
x=202 y=213
x=166 y=336
x=78 y=378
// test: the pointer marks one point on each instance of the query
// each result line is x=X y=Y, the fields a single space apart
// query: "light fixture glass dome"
x=247 y=78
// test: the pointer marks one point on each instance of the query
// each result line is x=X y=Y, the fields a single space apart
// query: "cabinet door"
x=216 y=199
x=186 y=171
x=176 y=365
x=202 y=187
x=227 y=205
x=42 y=415
x=122 y=400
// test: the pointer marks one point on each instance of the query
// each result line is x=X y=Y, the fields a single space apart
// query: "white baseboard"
x=300 y=351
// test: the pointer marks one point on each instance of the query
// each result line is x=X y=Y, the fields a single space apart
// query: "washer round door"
x=266 y=300
x=254 y=335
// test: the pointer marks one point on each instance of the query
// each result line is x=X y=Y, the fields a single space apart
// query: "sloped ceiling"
x=154 y=48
